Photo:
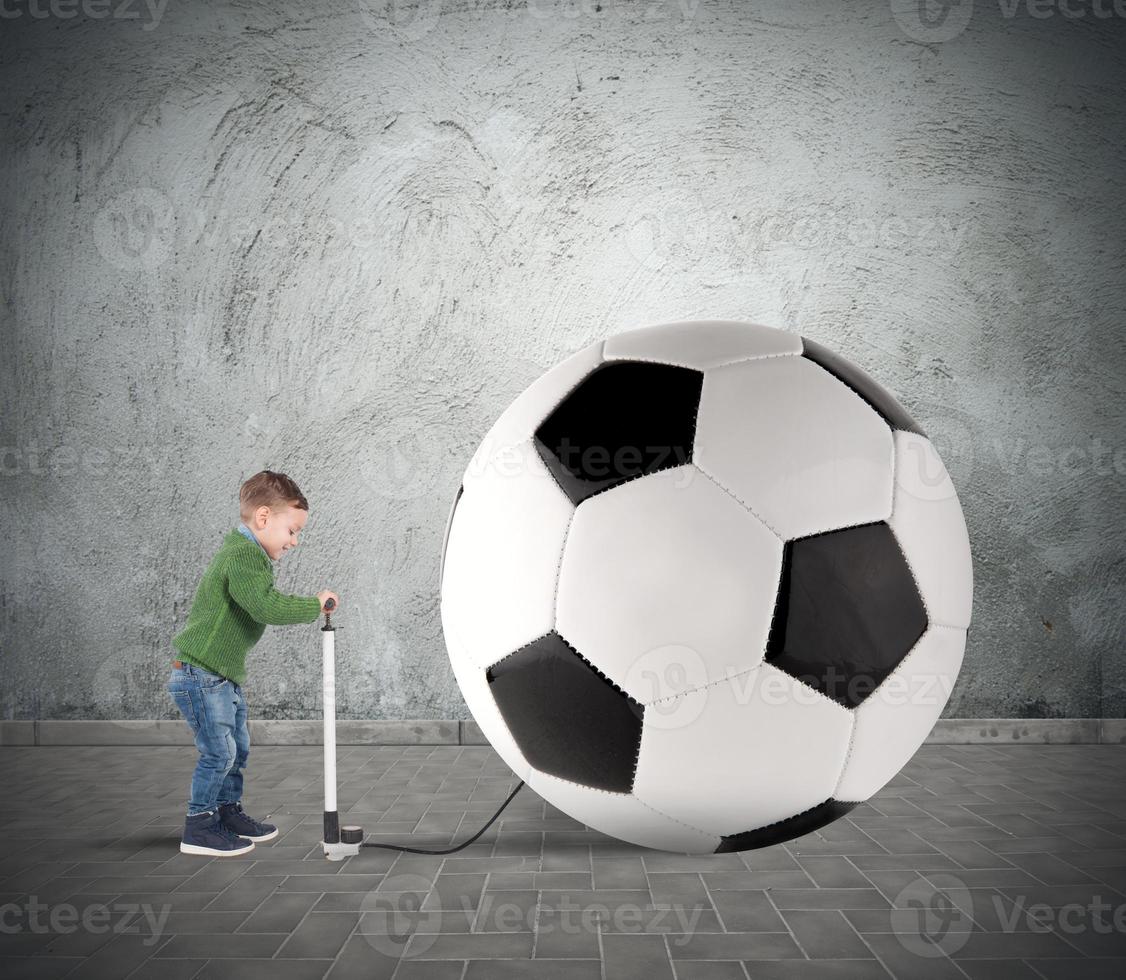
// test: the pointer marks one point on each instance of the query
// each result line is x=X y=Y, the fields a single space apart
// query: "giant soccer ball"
x=706 y=586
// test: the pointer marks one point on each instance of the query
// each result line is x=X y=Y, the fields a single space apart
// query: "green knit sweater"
x=234 y=603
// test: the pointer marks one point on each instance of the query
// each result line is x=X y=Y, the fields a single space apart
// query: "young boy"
x=234 y=603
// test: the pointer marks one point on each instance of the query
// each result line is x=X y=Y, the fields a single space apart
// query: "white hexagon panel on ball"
x=705 y=586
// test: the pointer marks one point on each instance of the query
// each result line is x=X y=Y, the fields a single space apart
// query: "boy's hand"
x=324 y=595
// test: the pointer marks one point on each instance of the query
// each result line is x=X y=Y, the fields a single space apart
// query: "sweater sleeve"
x=251 y=585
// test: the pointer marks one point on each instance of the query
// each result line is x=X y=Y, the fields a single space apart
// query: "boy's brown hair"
x=270 y=489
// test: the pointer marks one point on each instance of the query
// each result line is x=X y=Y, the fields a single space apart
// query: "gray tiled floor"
x=975 y=862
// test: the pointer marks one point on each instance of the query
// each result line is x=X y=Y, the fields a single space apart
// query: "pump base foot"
x=339 y=851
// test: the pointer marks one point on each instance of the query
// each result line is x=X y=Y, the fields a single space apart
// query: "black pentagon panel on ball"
x=848 y=611
x=624 y=420
x=875 y=394
x=795 y=826
x=567 y=719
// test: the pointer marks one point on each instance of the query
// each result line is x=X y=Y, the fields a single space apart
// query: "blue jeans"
x=215 y=709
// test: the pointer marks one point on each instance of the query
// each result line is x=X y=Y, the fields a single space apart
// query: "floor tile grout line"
x=778 y=912
x=293 y=931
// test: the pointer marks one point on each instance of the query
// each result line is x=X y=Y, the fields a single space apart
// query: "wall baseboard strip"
x=427 y=731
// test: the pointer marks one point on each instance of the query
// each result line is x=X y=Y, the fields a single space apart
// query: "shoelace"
x=248 y=818
x=225 y=831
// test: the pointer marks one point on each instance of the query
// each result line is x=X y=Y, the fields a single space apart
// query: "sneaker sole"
x=269 y=836
x=213 y=851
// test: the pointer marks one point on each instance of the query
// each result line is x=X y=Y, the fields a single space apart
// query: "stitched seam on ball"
x=848 y=752
x=702 y=687
x=747 y=507
x=906 y=558
x=777 y=599
x=808 y=687
x=637 y=754
x=880 y=415
x=914 y=578
x=571 y=782
x=668 y=362
x=633 y=796
x=767 y=826
x=559 y=570
x=731 y=677
x=894 y=475
x=696 y=417
x=891 y=428
x=630 y=479
x=621 y=690
x=550 y=472
x=681 y=823
x=915 y=650
x=914 y=653
x=754 y=357
x=833 y=528
x=528 y=438
x=536 y=639
x=608 y=680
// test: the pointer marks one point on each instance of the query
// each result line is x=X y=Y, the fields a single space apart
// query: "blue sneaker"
x=205 y=834
x=235 y=819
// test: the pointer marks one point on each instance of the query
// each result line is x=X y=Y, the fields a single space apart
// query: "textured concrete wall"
x=338 y=238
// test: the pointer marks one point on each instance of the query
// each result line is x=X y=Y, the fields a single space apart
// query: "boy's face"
x=277 y=528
